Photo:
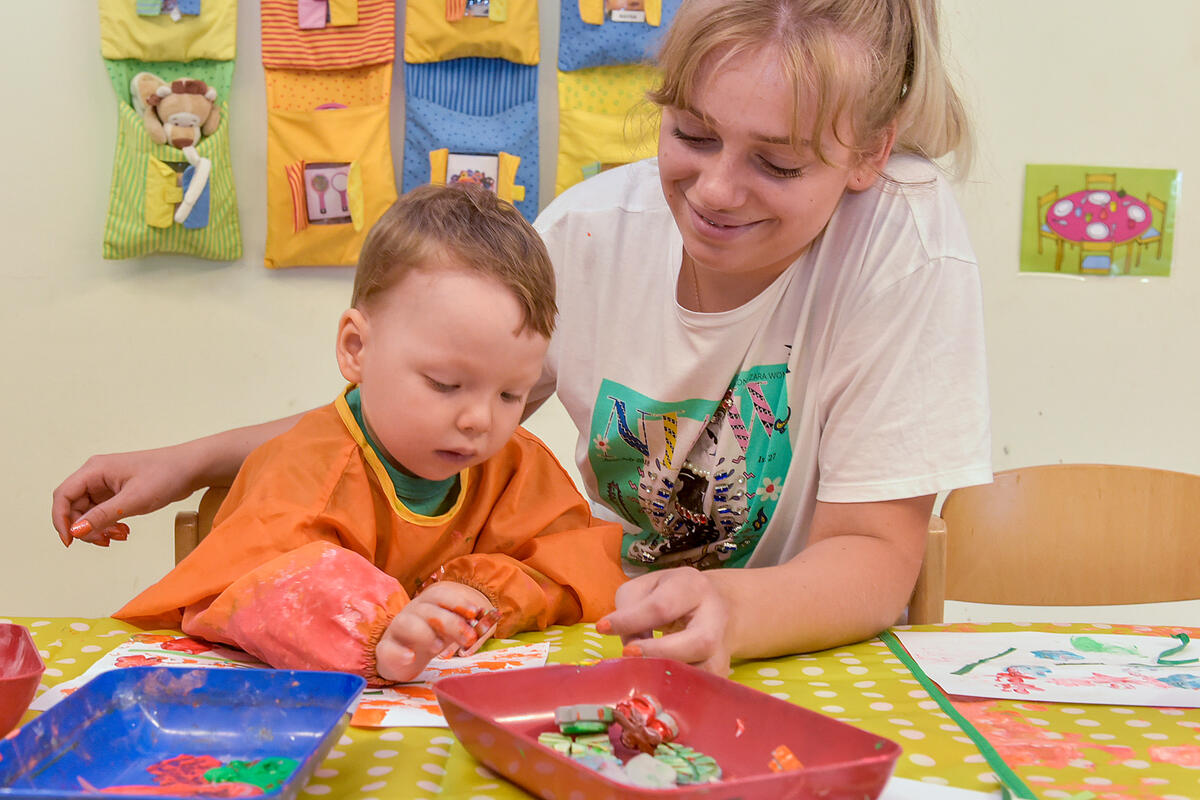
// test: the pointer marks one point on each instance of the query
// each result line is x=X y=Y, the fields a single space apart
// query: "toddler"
x=403 y=519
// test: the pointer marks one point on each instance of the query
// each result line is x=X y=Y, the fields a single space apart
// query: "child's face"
x=745 y=201
x=442 y=369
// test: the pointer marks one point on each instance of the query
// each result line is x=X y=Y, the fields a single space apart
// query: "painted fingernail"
x=632 y=651
x=603 y=626
x=120 y=532
x=81 y=528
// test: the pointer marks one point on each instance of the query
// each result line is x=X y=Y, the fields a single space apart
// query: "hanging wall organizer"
x=471 y=96
x=606 y=50
x=171 y=66
x=328 y=69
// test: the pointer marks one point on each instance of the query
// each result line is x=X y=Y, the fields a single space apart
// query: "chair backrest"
x=192 y=526
x=1158 y=205
x=1100 y=180
x=1045 y=200
x=1075 y=534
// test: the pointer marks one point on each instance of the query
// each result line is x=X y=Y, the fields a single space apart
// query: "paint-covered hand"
x=90 y=502
x=686 y=605
x=445 y=618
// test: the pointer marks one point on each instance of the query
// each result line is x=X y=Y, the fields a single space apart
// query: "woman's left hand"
x=686 y=605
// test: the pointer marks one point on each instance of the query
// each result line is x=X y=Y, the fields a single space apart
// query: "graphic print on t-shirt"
x=699 y=478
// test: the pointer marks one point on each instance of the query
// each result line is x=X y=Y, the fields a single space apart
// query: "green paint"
x=267 y=773
x=963 y=670
x=1184 y=639
x=1086 y=644
x=1011 y=784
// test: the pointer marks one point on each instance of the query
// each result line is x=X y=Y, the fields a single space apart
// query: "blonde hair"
x=479 y=230
x=866 y=63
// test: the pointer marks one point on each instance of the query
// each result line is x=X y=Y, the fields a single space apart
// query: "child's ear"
x=351 y=341
x=871 y=164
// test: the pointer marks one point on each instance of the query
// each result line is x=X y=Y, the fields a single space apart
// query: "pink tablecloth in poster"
x=1097 y=215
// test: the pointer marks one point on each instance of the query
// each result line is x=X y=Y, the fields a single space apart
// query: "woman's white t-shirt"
x=858 y=375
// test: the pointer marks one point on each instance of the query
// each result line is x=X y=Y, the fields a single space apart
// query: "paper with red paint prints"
x=1121 y=670
x=414 y=704
x=411 y=704
x=152 y=650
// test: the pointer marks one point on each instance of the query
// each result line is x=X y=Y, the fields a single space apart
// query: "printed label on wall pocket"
x=625 y=10
x=326 y=186
x=477 y=168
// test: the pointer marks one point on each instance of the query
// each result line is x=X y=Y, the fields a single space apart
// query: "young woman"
x=770 y=338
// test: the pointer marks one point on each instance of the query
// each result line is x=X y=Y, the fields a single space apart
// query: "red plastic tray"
x=21 y=669
x=498 y=716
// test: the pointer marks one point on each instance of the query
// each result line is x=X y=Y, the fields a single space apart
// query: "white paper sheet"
x=1059 y=667
x=412 y=704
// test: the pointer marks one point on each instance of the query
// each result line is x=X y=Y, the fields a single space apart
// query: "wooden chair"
x=192 y=526
x=1096 y=258
x=1100 y=180
x=1044 y=230
x=1158 y=214
x=1066 y=535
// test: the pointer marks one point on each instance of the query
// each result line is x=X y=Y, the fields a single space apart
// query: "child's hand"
x=447 y=616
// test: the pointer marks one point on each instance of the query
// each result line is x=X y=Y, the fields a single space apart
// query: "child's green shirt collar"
x=429 y=498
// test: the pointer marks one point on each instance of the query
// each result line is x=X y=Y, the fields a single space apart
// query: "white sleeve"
x=905 y=398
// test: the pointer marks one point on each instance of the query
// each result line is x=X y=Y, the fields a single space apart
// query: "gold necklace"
x=696 y=285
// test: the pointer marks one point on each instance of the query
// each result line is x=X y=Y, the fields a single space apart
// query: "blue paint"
x=1058 y=656
x=1182 y=681
x=1030 y=671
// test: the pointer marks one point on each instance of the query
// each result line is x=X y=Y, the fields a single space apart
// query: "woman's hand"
x=445 y=618
x=89 y=504
x=684 y=603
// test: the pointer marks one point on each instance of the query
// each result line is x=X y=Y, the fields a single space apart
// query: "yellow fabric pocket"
x=310 y=90
x=604 y=120
x=162 y=193
x=212 y=34
x=507 y=188
x=144 y=193
x=430 y=37
x=329 y=178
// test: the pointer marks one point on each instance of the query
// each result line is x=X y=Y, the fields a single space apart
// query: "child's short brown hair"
x=477 y=228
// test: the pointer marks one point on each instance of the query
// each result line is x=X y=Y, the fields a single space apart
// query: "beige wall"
x=105 y=356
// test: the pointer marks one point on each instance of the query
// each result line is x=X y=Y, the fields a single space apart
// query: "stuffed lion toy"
x=179 y=114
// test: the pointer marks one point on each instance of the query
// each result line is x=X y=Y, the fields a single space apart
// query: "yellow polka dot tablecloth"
x=1068 y=751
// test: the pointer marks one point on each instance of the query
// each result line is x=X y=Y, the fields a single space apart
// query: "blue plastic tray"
x=122 y=721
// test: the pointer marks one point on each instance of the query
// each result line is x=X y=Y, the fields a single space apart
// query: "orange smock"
x=312 y=554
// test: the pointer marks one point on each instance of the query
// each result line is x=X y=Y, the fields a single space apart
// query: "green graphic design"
x=700 y=478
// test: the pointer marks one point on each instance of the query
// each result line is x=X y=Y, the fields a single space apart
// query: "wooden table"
x=1056 y=750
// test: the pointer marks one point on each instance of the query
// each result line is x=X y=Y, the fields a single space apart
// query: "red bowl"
x=498 y=716
x=20 y=670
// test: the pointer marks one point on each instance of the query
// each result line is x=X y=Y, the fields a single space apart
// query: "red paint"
x=1186 y=755
x=188 y=790
x=186 y=644
x=182 y=769
x=1020 y=743
x=464 y=636
x=81 y=528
